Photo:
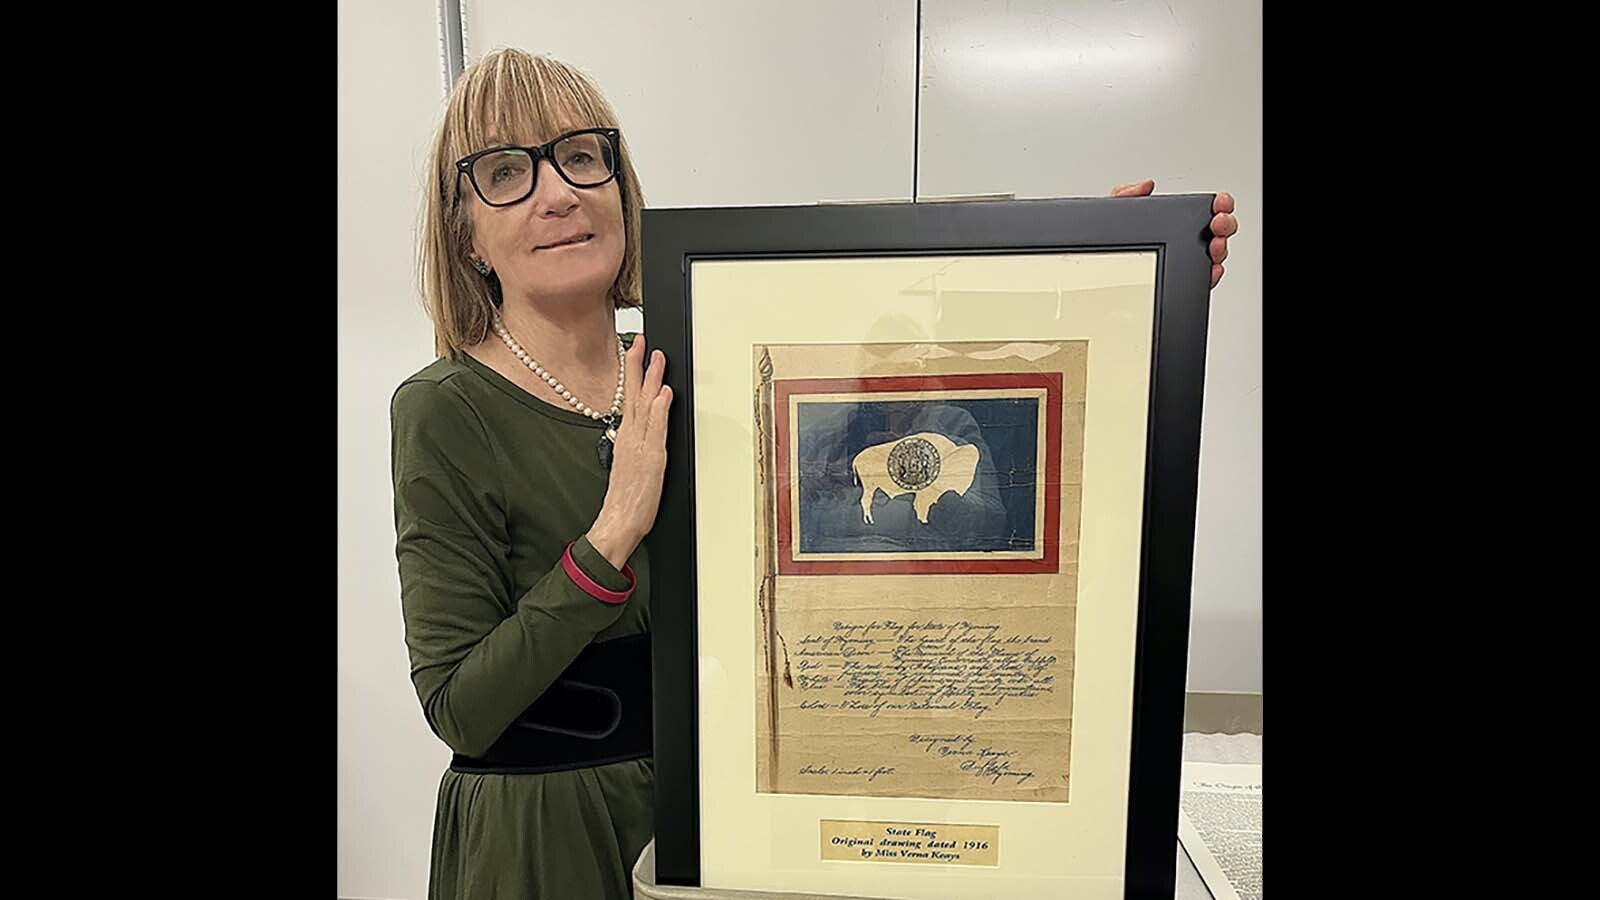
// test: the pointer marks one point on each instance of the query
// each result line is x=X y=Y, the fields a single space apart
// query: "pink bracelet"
x=593 y=588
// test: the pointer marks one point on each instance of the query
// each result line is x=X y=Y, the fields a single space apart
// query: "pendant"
x=606 y=447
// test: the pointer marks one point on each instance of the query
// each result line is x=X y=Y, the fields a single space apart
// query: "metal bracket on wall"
x=452 y=42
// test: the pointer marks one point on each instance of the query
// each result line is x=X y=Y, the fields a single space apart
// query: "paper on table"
x=1219 y=823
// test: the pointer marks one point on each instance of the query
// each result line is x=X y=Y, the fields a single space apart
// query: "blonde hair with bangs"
x=508 y=96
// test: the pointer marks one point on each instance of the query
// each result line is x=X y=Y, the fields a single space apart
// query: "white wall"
x=1047 y=98
x=807 y=101
x=390 y=93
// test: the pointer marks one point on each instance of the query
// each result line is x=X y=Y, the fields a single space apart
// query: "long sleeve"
x=479 y=656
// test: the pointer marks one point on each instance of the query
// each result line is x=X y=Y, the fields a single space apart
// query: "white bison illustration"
x=924 y=465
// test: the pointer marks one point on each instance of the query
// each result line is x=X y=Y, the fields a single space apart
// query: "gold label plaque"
x=911 y=842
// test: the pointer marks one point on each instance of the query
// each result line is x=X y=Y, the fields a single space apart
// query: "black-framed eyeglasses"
x=502 y=176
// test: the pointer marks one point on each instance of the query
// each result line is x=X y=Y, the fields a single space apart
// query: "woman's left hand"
x=1223 y=224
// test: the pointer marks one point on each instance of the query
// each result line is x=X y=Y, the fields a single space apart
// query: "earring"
x=482 y=267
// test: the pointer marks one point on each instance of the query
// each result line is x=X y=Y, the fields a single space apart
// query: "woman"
x=527 y=464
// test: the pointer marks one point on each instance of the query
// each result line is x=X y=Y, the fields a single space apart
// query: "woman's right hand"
x=639 y=459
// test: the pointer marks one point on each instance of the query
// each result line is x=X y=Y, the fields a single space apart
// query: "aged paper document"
x=913 y=317
x=917 y=530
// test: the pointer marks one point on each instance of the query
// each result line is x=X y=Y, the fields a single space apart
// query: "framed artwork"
x=921 y=572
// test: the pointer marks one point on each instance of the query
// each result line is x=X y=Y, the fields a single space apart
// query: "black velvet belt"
x=597 y=712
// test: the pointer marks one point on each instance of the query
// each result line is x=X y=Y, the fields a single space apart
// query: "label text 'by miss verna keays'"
x=969 y=845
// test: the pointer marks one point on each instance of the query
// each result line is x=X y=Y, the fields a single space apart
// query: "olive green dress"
x=491 y=484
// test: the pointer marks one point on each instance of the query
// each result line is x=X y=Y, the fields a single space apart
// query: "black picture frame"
x=1176 y=228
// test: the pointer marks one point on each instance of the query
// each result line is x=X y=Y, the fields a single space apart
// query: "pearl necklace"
x=608 y=418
